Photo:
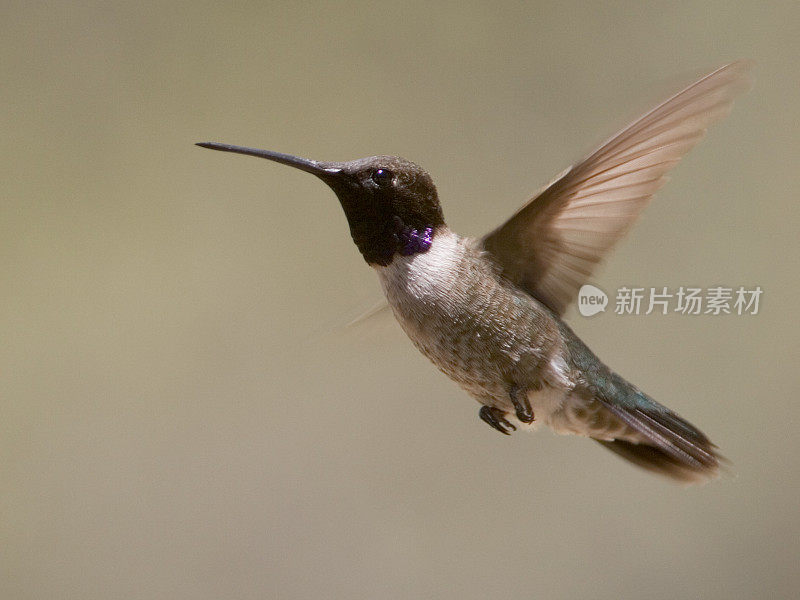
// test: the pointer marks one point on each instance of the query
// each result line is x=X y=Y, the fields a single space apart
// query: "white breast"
x=419 y=278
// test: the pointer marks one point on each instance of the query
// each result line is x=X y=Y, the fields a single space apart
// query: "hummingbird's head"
x=390 y=203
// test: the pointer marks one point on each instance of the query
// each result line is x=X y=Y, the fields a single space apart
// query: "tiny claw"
x=522 y=405
x=496 y=418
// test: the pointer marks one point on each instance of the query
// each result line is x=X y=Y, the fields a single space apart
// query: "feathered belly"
x=474 y=328
x=460 y=356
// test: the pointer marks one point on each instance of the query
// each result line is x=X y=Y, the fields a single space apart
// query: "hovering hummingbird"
x=488 y=312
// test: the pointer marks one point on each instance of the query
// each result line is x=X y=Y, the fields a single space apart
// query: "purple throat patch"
x=414 y=241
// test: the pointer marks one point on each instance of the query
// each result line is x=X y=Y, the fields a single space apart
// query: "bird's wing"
x=378 y=309
x=551 y=246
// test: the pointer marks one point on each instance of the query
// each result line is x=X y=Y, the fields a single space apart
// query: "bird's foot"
x=496 y=418
x=521 y=405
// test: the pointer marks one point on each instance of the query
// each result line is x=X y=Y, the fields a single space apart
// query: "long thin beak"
x=320 y=169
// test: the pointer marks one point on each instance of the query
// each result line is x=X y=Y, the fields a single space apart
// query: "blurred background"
x=185 y=413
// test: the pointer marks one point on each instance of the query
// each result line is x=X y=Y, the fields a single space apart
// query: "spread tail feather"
x=669 y=446
x=658 y=461
x=657 y=439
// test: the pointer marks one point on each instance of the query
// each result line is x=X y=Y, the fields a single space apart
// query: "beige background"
x=184 y=414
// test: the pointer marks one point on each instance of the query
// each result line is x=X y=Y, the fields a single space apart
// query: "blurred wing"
x=551 y=246
x=380 y=308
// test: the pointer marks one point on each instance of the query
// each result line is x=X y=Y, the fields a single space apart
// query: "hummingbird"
x=489 y=312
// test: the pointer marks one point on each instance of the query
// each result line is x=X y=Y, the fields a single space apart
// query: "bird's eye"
x=383 y=177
